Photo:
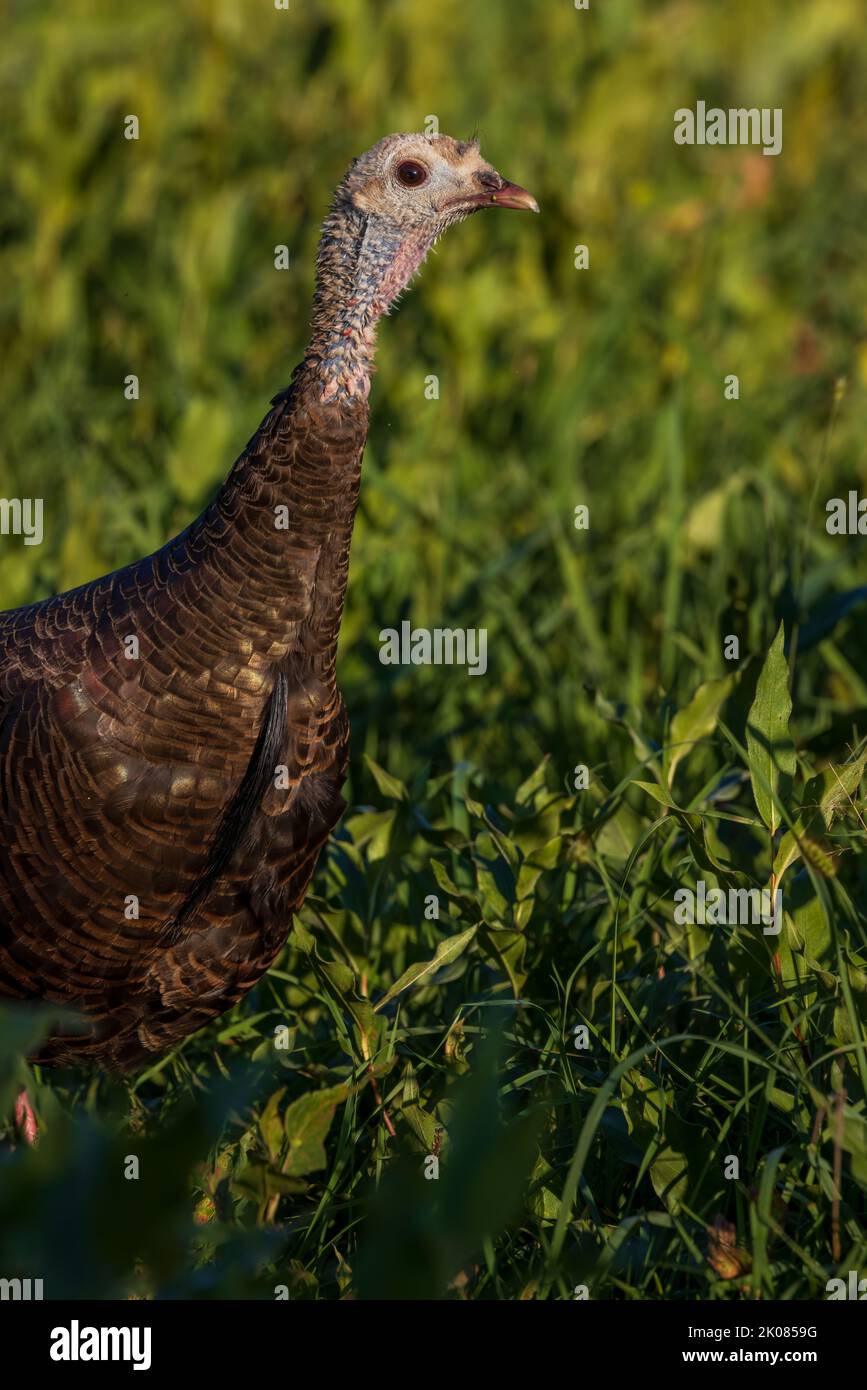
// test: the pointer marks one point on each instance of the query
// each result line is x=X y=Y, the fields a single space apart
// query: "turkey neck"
x=362 y=265
x=273 y=548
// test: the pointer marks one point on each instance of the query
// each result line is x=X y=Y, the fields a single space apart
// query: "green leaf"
x=340 y=984
x=834 y=789
x=373 y=829
x=446 y=951
x=424 y=1126
x=508 y=949
x=657 y=792
x=789 y=850
x=466 y=904
x=446 y=883
x=301 y=938
x=826 y=797
x=270 y=1121
x=770 y=750
x=503 y=843
x=370 y=1030
x=534 y=783
x=810 y=933
x=388 y=785
x=307 y=1122
x=615 y=827
x=697 y=720
x=496 y=890
x=669 y=1173
x=541 y=1201
x=261 y=1180
x=797 y=844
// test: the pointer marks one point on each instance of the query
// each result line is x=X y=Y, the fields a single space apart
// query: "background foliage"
x=265 y=1167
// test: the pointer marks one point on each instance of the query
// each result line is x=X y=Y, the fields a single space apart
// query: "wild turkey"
x=172 y=740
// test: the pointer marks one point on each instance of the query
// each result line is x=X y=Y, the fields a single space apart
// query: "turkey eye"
x=411 y=174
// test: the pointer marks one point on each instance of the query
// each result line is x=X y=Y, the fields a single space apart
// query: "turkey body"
x=172 y=740
x=164 y=798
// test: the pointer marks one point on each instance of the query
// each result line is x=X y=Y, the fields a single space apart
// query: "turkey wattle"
x=151 y=780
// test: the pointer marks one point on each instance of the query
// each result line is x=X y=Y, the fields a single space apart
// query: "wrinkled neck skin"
x=363 y=265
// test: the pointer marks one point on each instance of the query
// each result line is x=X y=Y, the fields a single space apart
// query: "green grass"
x=304 y=1166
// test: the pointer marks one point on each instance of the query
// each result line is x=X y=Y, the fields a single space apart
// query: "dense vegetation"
x=287 y=1146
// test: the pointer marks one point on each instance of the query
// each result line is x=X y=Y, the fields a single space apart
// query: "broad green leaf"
x=770 y=750
x=465 y=902
x=835 y=788
x=617 y=835
x=446 y=951
x=508 y=949
x=307 y=1122
x=810 y=933
x=531 y=832
x=503 y=843
x=541 y=1201
x=445 y=882
x=531 y=871
x=697 y=720
x=388 y=785
x=789 y=850
x=657 y=792
x=424 y=1126
x=669 y=1173
x=496 y=890
x=534 y=783
x=545 y=857
x=783 y=1100
x=301 y=938
x=373 y=829
x=271 y=1123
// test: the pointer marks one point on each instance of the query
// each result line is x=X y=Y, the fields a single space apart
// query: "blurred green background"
x=557 y=386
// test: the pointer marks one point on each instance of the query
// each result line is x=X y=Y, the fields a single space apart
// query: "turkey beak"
x=500 y=194
x=512 y=195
